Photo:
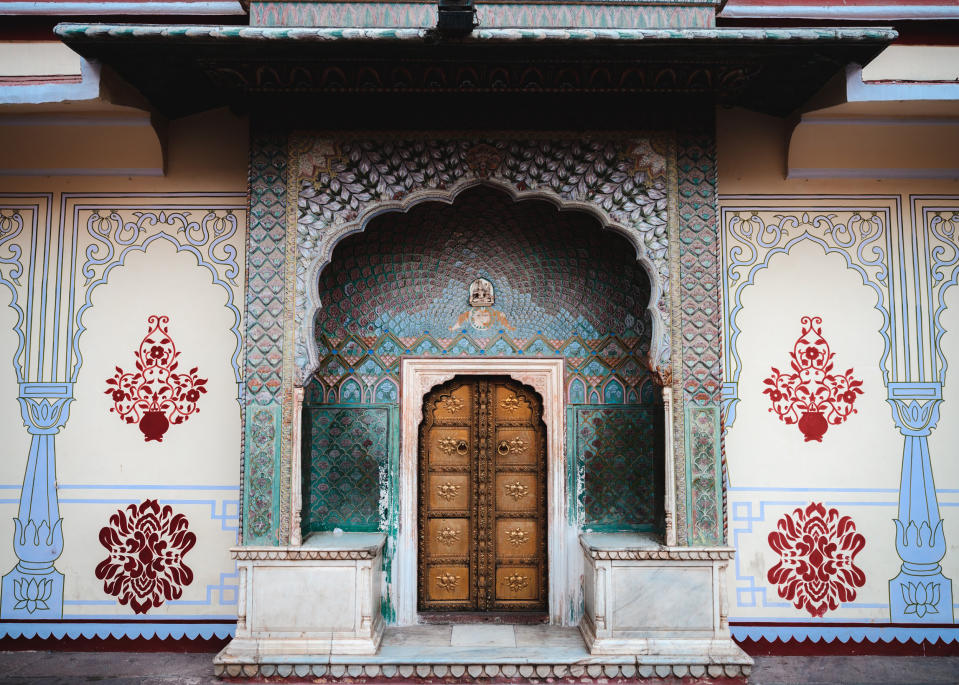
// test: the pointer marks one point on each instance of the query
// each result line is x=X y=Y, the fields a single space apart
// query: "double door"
x=482 y=498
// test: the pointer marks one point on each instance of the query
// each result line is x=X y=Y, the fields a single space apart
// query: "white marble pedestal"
x=655 y=601
x=320 y=598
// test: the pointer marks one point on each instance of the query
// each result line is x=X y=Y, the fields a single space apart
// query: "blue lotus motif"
x=921 y=598
x=32 y=594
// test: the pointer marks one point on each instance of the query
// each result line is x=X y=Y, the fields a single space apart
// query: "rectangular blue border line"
x=61 y=486
x=133 y=619
x=945 y=491
x=833 y=623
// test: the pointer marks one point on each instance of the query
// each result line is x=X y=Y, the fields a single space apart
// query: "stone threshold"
x=485 y=654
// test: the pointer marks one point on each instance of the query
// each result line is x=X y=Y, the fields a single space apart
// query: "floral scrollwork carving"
x=516 y=582
x=451 y=403
x=448 y=490
x=517 y=536
x=448 y=536
x=517 y=490
x=510 y=403
x=447 y=581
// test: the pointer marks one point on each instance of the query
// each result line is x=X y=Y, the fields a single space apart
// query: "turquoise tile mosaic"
x=615 y=448
x=562 y=287
x=349 y=457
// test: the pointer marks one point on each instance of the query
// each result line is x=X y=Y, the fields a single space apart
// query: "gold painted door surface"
x=482 y=498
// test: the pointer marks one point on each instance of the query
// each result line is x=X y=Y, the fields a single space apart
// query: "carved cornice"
x=300 y=554
x=662 y=554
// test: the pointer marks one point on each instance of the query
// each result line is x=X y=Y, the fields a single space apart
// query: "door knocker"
x=462 y=448
x=503 y=447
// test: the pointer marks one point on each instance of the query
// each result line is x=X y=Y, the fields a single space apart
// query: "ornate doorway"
x=482 y=498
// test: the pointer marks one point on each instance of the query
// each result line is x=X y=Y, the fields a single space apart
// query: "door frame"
x=545 y=375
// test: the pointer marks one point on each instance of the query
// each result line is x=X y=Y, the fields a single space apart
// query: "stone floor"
x=120 y=668
x=484 y=653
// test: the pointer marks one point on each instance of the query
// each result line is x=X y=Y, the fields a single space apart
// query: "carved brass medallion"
x=482 y=498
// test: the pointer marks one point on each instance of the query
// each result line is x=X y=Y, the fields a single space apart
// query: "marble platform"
x=485 y=653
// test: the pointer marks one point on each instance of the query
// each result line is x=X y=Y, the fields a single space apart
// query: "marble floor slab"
x=473 y=635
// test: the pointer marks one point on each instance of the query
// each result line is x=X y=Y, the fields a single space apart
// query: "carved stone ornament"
x=481 y=293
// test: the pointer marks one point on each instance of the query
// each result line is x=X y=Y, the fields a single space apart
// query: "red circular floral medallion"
x=817 y=550
x=147 y=544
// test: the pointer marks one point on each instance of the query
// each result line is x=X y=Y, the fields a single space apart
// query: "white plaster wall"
x=944 y=442
x=98 y=449
x=773 y=466
x=15 y=441
x=862 y=452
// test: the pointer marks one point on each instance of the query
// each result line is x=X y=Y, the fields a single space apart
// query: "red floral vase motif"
x=817 y=551
x=154 y=396
x=146 y=544
x=812 y=396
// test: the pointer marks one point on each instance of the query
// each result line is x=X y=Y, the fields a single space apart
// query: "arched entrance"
x=487 y=286
x=482 y=498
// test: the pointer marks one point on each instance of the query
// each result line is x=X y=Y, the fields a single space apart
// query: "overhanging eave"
x=183 y=69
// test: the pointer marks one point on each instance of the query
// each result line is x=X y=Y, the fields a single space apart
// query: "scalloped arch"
x=307 y=353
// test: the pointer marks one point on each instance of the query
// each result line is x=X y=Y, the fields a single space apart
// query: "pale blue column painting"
x=920 y=593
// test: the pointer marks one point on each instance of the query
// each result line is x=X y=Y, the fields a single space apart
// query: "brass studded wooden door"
x=482 y=498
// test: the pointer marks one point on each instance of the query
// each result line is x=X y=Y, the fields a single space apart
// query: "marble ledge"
x=317 y=547
x=645 y=546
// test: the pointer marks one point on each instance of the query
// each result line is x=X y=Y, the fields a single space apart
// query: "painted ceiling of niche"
x=554 y=274
x=562 y=286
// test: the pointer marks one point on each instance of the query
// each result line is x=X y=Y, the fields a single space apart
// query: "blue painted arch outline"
x=881 y=305
x=142 y=247
x=15 y=272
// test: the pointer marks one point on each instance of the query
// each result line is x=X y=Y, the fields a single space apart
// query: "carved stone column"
x=34 y=588
x=920 y=593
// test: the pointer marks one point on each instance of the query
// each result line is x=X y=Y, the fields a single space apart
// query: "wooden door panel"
x=449 y=583
x=515 y=446
x=457 y=403
x=517 y=538
x=511 y=404
x=449 y=537
x=516 y=583
x=450 y=446
x=516 y=492
x=449 y=492
x=482 y=504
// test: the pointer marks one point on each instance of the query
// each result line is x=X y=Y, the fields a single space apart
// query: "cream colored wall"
x=856 y=468
x=25 y=58
x=104 y=464
x=914 y=63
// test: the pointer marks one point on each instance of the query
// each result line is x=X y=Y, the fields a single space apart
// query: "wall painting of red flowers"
x=817 y=550
x=146 y=545
x=154 y=396
x=812 y=396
